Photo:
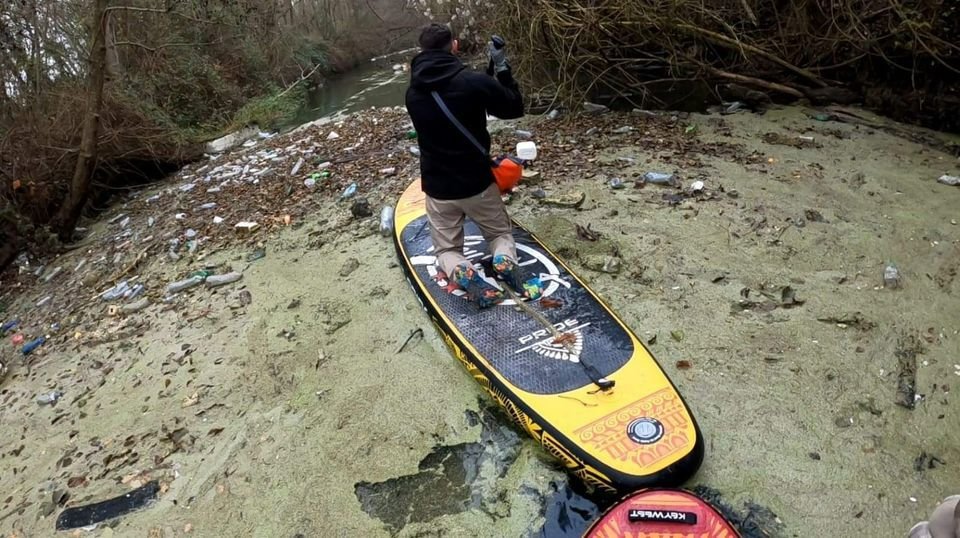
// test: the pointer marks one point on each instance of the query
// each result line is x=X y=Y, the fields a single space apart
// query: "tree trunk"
x=72 y=207
x=114 y=68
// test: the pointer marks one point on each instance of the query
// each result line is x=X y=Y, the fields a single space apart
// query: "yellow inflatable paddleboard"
x=586 y=388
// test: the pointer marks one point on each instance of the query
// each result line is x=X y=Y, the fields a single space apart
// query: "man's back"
x=451 y=166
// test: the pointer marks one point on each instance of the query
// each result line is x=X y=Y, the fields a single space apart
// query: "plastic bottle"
x=8 y=326
x=177 y=287
x=135 y=307
x=220 y=280
x=658 y=178
x=349 y=192
x=891 y=276
x=53 y=274
x=296 y=167
x=523 y=134
x=49 y=398
x=386 y=221
x=116 y=292
x=32 y=345
x=134 y=291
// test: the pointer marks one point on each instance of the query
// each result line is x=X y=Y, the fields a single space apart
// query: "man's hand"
x=496 y=51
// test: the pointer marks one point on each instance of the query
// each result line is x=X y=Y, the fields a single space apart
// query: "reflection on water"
x=373 y=84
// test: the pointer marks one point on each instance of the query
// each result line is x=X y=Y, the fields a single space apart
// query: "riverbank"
x=280 y=405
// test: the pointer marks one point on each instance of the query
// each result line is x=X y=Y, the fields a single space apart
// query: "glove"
x=496 y=51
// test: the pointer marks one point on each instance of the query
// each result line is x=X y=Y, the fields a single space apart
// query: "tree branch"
x=723 y=40
x=756 y=82
x=302 y=78
x=154 y=10
x=135 y=8
x=165 y=45
x=374 y=11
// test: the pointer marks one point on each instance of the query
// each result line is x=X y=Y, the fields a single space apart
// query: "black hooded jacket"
x=451 y=167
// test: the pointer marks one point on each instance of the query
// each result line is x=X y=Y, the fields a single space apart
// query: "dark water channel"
x=372 y=84
x=456 y=478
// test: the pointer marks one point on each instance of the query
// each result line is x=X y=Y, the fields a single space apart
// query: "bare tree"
x=66 y=220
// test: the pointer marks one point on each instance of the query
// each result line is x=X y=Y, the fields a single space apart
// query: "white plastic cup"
x=527 y=150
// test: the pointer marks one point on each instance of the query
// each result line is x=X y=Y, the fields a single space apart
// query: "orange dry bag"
x=507 y=172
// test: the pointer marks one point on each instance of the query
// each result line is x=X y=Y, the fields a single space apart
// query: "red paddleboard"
x=662 y=513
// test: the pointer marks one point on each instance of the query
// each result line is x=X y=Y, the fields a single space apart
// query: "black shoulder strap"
x=457 y=124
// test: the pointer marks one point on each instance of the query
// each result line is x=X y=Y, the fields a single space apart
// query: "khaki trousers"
x=446 y=226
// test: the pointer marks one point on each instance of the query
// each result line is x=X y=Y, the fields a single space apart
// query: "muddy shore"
x=279 y=405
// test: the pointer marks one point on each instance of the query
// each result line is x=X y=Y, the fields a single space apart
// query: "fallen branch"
x=725 y=41
x=772 y=86
x=302 y=78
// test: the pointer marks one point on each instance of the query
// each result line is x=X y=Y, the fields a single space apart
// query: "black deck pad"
x=514 y=343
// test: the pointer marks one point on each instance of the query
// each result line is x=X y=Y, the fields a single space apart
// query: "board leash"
x=595 y=376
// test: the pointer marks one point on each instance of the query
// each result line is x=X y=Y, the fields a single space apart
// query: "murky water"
x=566 y=513
x=373 y=84
x=450 y=479
x=457 y=478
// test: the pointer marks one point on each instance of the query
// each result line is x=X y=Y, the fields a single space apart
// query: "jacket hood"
x=433 y=69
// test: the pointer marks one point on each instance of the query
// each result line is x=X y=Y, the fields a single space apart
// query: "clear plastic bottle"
x=49 y=398
x=221 y=280
x=386 y=221
x=891 y=276
x=659 y=178
x=116 y=292
x=177 y=287
x=349 y=192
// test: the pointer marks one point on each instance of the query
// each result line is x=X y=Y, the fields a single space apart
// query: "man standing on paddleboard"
x=448 y=105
